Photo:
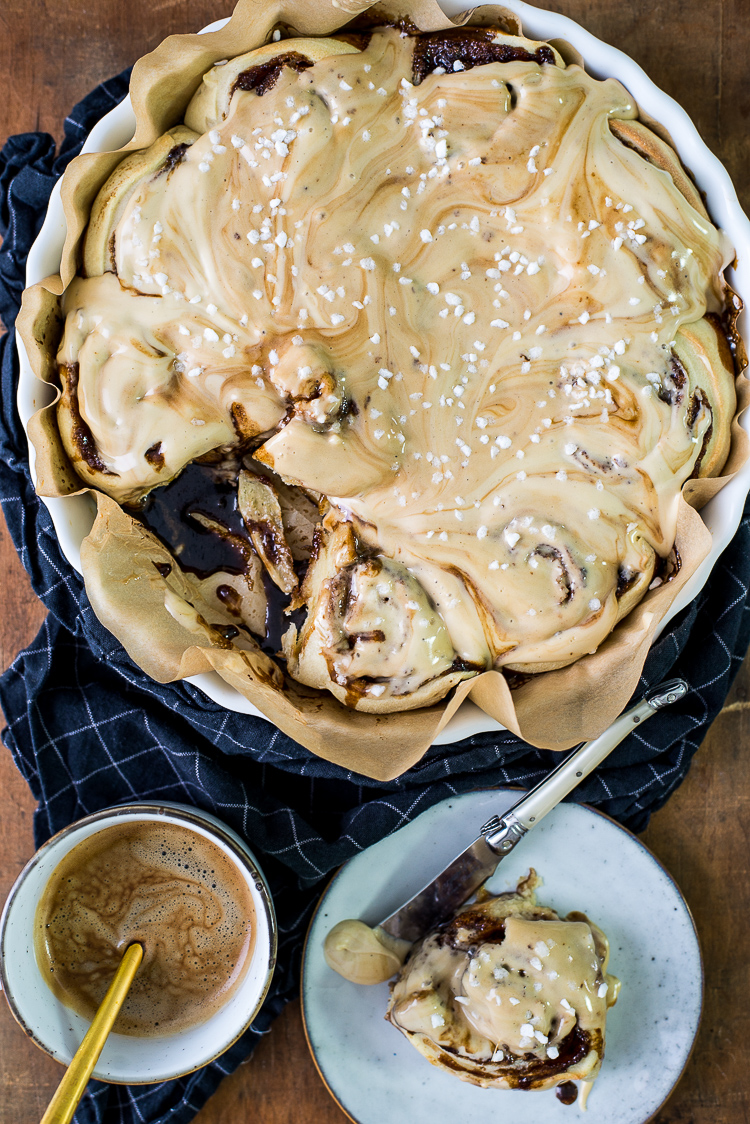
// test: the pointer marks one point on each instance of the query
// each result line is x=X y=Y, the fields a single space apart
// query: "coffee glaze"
x=166 y=887
x=508 y=994
x=455 y=308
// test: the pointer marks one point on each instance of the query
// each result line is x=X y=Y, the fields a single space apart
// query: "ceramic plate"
x=587 y=862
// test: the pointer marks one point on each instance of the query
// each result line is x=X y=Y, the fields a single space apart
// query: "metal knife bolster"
x=502 y=833
x=468 y=871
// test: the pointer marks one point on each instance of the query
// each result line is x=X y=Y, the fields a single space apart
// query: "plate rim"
x=514 y=788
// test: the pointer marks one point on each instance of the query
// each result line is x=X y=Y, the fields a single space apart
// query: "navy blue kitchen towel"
x=88 y=729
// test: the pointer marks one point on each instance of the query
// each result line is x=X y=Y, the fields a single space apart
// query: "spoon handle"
x=503 y=832
x=70 y=1090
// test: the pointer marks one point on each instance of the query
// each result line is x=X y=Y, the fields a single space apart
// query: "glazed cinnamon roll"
x=509 y=995
x=372 y=636
x=447 y=290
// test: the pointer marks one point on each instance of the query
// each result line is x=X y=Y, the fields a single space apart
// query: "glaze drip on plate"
x=441 y=296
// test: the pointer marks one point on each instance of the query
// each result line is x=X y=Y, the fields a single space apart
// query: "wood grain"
x=51 y=54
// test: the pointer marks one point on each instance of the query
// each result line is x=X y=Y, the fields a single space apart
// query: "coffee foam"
x=168 y=888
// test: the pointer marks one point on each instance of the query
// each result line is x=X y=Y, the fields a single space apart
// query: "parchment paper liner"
x=553 y=711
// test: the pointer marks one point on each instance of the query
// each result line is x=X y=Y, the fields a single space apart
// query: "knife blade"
x=441 y=897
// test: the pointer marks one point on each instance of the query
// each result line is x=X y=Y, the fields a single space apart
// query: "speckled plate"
x=587 y=862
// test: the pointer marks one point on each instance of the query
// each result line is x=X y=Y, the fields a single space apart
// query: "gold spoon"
x=71 y=1088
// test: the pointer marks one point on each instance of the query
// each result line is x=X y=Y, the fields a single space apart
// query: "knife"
x=443 y=895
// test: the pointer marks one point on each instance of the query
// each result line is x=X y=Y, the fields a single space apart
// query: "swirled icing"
x=508 y=994
x=460 y=308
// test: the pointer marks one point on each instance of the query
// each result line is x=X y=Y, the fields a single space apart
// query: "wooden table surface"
x=51 y=54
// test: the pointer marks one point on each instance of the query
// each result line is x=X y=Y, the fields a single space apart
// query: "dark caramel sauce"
x=517 y=679
x=175 y=156
x=567 y=1092
x=264 y=76
x=528 y=1071
x=625 y=580
x=573 y=1048
x=155 y=456
x=667 y=568
x=471 y=46
x=83 y=438
x=227 y=631
x=205 y=489
x=230 y=599
x=169 y=512
x=277 y=616
x=169 y=889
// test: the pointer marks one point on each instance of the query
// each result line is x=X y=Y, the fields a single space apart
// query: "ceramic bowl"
x=126 y=1059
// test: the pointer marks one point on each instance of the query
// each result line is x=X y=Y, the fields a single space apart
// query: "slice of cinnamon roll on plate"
x=509 y=995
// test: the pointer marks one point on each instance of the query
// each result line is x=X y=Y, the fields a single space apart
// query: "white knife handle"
x=503 y=832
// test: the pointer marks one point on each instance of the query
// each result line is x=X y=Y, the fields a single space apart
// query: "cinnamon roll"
x=451 y=294
x=508 y=995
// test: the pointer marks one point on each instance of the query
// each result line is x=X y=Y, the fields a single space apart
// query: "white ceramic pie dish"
x=73 y=517
x=376 y=1075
